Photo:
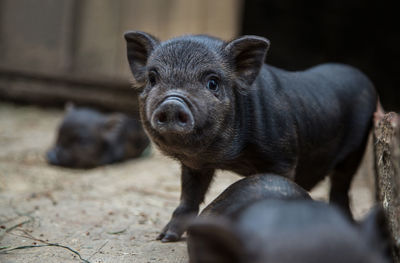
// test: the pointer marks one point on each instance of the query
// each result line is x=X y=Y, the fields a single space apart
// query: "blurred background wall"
x=73 y=50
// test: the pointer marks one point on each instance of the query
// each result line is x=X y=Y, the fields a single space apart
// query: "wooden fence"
x=54 y=51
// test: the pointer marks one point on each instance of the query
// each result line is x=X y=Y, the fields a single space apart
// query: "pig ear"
x=213 y=241
x=247 y=54
x=376 y=231
x=139 y=46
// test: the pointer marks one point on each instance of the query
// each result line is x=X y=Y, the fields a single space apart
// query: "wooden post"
x=387 y=168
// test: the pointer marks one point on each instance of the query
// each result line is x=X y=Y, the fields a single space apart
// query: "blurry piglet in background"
x=270 y=219
x=87 y=138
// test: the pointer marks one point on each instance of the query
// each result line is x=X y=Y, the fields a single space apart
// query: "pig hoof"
x=177 y=225
x=169 y=237
x=160 y=236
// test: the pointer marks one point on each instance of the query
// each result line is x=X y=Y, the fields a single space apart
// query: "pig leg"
x=193 y=189
x=342 y=176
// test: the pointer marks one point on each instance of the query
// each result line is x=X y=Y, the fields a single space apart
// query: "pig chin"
x=174 y=138
x=180 y=145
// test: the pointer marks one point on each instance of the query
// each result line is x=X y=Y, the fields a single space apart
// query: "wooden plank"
x=85 y=38
x=186 y=17
x=35 y=34
x=223 y=18
x=168 y=18
x=133 y=16
x=97 y=38
x=387 y=167
x=2 y=23
x=56 y=90
x=219 y=18
x=150 y=16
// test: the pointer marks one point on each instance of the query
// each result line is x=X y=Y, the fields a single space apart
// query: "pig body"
x=268 y=218
x=213 y=105
x=302 y=231
x=252 y=189
x=87 y=138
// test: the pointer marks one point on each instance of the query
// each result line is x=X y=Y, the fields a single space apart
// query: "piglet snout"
x=172 y=116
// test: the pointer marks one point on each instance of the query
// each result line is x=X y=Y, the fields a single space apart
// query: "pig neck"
x=259 y=135
x=265 y=104
x=265 y=134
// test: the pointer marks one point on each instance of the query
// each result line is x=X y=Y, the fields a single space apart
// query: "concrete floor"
x=108 y=214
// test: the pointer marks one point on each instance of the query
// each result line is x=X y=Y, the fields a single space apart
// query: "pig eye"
x=212 y=84
x=152 y=78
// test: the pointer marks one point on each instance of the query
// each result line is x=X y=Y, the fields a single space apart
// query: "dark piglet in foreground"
x=269 y=219
x=251 y=189
x=87 y=138
x=284 y=231
x=213 y=105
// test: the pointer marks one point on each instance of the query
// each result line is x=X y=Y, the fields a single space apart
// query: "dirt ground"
x=109 y=214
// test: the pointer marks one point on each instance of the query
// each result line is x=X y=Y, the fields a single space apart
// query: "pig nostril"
x=162 y=117
x=172 y=116
x=182 y=117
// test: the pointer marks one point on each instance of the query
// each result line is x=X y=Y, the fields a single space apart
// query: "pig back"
x=314 y=118
x=252 y=189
